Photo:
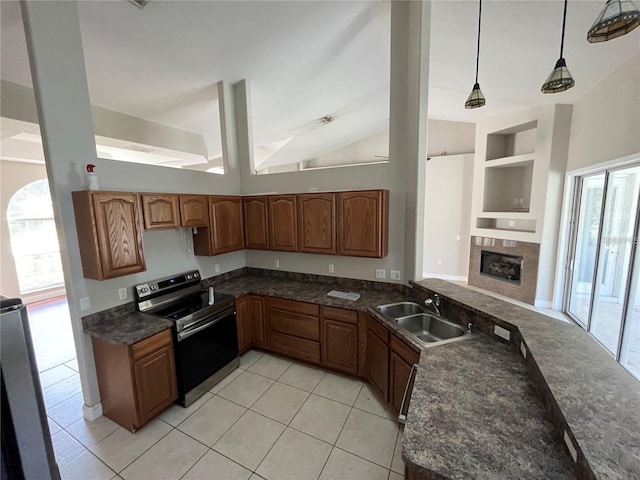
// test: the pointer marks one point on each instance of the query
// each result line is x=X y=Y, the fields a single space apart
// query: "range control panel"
x=157 y=286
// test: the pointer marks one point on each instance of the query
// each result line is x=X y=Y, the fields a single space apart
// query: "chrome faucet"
x=434 y=303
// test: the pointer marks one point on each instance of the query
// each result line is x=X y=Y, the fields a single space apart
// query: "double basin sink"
x=426 y=327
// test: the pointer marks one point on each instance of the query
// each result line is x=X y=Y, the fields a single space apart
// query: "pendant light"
x=476 y=98
x=617 y=18
x=560 y=79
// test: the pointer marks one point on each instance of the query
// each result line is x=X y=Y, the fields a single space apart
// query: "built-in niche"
x=508 y=188
x=511 y=142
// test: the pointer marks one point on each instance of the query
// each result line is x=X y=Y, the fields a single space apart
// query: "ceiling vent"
x=139 y=3
x=326 y=119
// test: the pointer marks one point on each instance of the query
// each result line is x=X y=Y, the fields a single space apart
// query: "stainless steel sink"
x=400 y=309
x=430 y=328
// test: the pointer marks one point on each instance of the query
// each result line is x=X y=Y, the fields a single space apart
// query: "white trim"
x=543 y=304
x=616 y=162
x=46 y=294
x=441 y=276
x=92 y=412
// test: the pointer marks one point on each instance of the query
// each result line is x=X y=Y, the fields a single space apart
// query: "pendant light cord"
x=478 y=51
x=564 y=21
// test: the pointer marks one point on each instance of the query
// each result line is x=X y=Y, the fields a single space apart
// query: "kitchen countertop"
x=597 y=398
x=475 y=414
x=124 y=328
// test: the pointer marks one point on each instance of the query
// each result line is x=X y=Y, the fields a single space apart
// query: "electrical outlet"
x=381 y=273
x=458 y=237
x=502 y=332
x=512 y=223
x=217 y=268
x=439 y=262
x=523 y=350
x=521 y=201
x=570 y=446
x=85 y=304
x=276 y=263
x=394 y=274
x=515 y=201
x=331 y=268
x=313 y=189
x=122 y=293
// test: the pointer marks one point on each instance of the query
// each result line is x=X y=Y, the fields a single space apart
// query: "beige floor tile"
x=122 y=447
x=341 y=389
x=246 y=389
x=397 y=464
x=302 y=377
x=395 y=476
x=55 y=374
x=281 y=402
x=295 y=456
x=249 y=440
x=86 y=466
x=61 y=391
x=270 y=366
x=65 y=447
x=67 y=412
x=247 y=359
x=53 y=427
x=168 y=459
x=321 y=418
x=226 y=381
x=369 y=436
x=255 y=476
x=216 y=466
x=90 y=433
x=212 y=420
x=369 y=402
x=176 y=414
x=343 y=465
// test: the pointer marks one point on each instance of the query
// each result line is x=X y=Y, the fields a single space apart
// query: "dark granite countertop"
x=475 y=414
x=597 y=398
x=122 y=326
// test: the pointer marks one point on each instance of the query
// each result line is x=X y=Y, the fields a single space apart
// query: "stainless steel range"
x=205 y=339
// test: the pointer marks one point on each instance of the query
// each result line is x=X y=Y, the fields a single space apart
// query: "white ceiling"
x=308 y=59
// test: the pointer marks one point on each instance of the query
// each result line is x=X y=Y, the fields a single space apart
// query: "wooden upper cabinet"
x=317 y=223
x=160 y=211
x=109 y=227
x=283 y=223
x=194 y=210
x=225 y=220
x=255 y=223
x=363 y=224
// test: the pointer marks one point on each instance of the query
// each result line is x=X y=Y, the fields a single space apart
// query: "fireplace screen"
x=501 y=266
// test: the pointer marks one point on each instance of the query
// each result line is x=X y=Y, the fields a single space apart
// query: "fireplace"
x=501 y=266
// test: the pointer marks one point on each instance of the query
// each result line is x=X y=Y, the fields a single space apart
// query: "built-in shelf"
x=507 y=224
x=513 y=141
x=508 y=187
x=509 y=214
x=512 y=161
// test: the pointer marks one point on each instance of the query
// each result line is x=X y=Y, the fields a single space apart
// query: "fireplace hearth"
x=501 y=266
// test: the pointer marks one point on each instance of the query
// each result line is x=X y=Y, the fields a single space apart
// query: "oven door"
x=203 y=349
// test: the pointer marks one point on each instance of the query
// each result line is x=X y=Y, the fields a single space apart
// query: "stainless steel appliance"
x=27 y=452
x=205 y=339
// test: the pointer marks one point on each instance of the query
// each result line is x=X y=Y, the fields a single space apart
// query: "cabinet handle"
x=402 y=418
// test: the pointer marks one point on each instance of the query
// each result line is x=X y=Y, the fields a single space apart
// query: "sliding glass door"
x=603 y=280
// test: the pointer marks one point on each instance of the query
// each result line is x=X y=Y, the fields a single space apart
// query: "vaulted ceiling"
x=308 y=59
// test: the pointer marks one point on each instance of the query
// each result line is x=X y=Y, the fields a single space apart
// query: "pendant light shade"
x=618 y=17
x=476 y=98
x=560 y=78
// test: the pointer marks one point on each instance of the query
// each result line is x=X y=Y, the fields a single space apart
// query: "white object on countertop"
x=353 y=296
x=92 y=178
x=212 y=296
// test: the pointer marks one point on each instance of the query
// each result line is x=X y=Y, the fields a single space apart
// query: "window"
x=34 y=242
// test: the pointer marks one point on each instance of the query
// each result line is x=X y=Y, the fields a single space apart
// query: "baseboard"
x=543 y=303
x=92 y=412
x=441 y=276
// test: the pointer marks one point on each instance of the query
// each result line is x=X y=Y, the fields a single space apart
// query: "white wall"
x=606 y=121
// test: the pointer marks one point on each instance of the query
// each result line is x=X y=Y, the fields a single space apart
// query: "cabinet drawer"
x=294 y=346
x=340 y=314
x=293 y=306
x=378 y=329
x=148 y=345
x=294 y=324
x=404 y=351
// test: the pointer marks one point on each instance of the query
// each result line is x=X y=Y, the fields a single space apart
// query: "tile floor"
x=271 y=418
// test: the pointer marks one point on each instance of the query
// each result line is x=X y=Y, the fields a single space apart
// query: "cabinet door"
x=160 y=211
x=226 y=224
x=317 y=223
x=378 y=364
x=258 y=321
x=400 y=371
x=255 y=223
x=283 y=223
x=243 y=308
x=194 y=211
x=363 y=223
x=155 y=381
x=119 y=235
x=339 y=341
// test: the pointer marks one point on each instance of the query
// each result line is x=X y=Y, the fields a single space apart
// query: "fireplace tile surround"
x=530 y=252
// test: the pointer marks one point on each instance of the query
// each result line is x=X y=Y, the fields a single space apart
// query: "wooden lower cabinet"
x=401 y=360
x=293 y=328
x=258 y=321
x=244 y=321
x=137 y=382
x=339 y=339
x=378 y=358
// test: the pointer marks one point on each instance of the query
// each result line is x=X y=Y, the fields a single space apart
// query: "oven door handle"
x=184 y=335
